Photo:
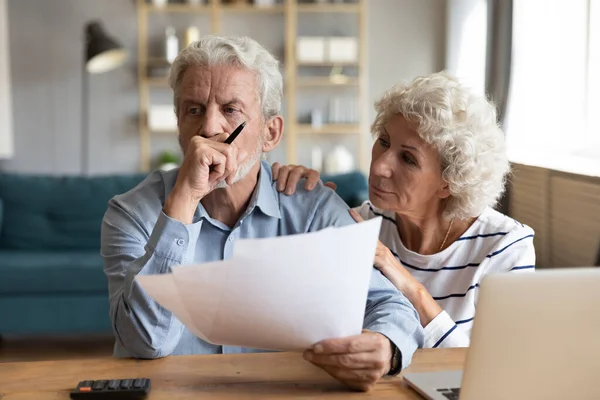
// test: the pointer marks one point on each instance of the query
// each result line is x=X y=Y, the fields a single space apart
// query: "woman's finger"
x=275 y=170
x=284 y=171
x=293 y=178
x=356 y=215
x=312 y=178
x=382 y=257
x=331 y=185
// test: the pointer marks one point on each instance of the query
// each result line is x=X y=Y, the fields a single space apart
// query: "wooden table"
x=240 y=376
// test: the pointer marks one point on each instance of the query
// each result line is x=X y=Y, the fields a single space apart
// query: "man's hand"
x=206 y=163
x=357 y=361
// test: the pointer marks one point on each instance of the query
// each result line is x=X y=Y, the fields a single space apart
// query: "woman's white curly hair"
x=462 y=127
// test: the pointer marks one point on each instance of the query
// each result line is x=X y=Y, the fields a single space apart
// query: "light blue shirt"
x=139 y=239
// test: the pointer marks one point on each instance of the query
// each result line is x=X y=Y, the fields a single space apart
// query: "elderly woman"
x=438 y=167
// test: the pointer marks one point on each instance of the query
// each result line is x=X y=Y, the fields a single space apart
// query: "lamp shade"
x=103 y=53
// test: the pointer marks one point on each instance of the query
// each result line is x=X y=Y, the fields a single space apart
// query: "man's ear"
x=273 y=133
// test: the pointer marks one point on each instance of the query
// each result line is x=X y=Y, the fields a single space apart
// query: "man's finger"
x=352 y=360
x=231 y=165
x=353 y=344
x=356 y=215
x=360 y=379
x=216 y=162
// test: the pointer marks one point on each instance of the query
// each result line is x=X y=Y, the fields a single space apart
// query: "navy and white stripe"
x=493 y=243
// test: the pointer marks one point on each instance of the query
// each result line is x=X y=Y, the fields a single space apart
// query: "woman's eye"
x=383 y=142
x=408 y=159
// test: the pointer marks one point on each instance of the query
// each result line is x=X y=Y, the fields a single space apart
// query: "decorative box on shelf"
x=342 y=49
x=161 y=118
x=310 y=49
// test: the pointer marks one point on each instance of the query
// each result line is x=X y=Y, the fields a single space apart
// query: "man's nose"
x=213 y=124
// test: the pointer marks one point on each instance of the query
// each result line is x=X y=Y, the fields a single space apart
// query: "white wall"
x=405 y=40
x=466 y=41
x=6 y=131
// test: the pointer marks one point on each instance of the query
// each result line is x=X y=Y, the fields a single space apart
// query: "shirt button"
x=231 y=238
x=180 y=242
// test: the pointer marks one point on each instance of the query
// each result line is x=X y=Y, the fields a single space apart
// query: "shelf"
x=250 y=9
x=341 y=129
x=179 y=8
x=304 y=79
x=157 y=62
x=327 y=82
x=327 y=64
x=329 y=8
x=157 y=81
x=165 y=131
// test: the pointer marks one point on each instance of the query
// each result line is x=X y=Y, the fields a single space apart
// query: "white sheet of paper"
x=282 y=293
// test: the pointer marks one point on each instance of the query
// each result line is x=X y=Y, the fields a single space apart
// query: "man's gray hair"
x=238 y=51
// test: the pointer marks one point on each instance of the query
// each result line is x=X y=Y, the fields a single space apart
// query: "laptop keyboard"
x=450 y=394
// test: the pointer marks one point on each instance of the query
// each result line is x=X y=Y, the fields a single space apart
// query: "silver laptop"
x=535 y=336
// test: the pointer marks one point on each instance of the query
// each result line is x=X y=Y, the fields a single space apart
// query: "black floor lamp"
x=102 y=54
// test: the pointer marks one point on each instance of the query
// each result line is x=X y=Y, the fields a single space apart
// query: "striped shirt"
x=493 y=243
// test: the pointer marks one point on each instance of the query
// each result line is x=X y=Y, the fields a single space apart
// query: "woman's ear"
x=273 y=133
x=444 y=191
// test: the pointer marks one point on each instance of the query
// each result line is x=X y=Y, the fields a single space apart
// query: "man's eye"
x=194 y=110
x=230 y=110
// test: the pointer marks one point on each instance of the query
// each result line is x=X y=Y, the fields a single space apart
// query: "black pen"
x=232 y=137
x=235 y=133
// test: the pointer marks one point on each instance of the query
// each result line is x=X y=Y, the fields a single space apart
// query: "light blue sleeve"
x=387 y=310
x=142 y=328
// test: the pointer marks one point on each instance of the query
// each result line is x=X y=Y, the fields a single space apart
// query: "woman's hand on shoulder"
x=288 y=176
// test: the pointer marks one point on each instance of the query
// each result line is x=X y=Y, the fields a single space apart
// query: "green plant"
x=168 y=157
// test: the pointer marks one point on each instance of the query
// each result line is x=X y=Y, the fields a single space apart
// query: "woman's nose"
x=382 y=166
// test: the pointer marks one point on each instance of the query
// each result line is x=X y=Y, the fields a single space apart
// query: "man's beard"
x=244 y=168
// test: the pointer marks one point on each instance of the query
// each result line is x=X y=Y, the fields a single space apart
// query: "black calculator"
x=125 y=389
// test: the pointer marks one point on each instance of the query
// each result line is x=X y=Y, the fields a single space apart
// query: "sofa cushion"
x=57 y=213
x=1 y=215
x=352 y=187
x=27 y=272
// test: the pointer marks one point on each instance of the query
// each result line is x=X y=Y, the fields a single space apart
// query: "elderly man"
x=223 y=193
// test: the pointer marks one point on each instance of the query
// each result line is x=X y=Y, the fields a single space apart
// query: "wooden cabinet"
x=564 y=211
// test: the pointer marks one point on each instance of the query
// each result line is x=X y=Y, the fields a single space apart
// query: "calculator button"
x=125 y=383
x=113 y=384
x=138 y=383
x=85 y=389
x=98 y=385
x=86 y=383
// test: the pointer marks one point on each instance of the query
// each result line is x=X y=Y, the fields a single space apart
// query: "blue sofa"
x=51 y=271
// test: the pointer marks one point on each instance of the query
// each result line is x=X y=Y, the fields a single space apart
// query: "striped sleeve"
x=514 y=254
x=442 y=331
